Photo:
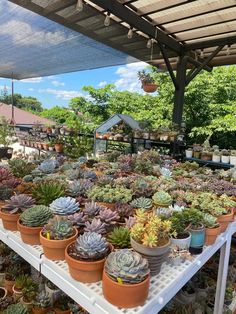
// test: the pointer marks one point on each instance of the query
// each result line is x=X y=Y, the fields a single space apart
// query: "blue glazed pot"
x=197 y=237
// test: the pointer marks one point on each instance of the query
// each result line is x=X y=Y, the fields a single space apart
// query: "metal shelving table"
x=163 y=288
x=210 y=163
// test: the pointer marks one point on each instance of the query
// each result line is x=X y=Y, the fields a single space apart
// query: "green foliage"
x=20 y=168
x=6 y=132
x=46 y=192
x=58 y=228
x=36 y=216
x=110 y=195
x=16 y=309
x=120 y=237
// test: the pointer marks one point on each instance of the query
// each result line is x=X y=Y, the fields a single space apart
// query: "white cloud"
x=102 y=84
x=2 y=87
x=31 y=89
x=51 y=77
x=62 y=94
x=58 y=83
x=33 y=80
x=128 y=78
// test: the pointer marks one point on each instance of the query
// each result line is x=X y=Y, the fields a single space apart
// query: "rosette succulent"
x=142 y=202
x=43 y=300
x=79 y=187
x=92 y=208
x=19 y=203
x=210 y=221
x=120 y=237
x=78 y=219
x=91 y=246
x=108 y=216
x=47 y=166
x=96 y=225
x=58 y=228
x=36 y=216
x=128 y=266
x=64 y=206
x=162 y=198
x=17 y=308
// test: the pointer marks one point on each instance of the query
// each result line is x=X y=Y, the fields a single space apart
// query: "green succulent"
x=28 y=178
x=16 y=309
x=46 y=192
x=110 y=194
x=58 y=228
x=43 y=300
x=20 y=167
x=36 y=216
x=142 y=202
x=162 y=198
x=210 y=221
x=120 y=237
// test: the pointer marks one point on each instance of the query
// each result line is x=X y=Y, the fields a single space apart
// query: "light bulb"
x=107 y=20
x=130 y=33
x=228 y=50
x=149 y=43
x=202 y=53
x=79 y=6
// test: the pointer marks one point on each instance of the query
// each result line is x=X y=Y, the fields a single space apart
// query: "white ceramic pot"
x=189 y=153
x=53 y=294
x=182 y=244
x=216 y=158
x=225 y=159
x=232 y=160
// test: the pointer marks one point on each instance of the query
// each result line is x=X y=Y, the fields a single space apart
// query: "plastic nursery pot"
x=182 y=241
x=224 y=220
x=39 y=310
x=58 y=148
x=125 y=295
x=55 y=249
x=17 y=294
x=9 y=285
x=197 y=239
x=29 y=235
x=211 y=235
x=9 y=220
x=108 y=205
x=155 y=256
x=149 y=88
x=189 y=153
x=225 y=159
x=84 y=271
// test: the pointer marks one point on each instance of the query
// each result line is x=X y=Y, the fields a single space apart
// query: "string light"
x=228 y=50
x=107 y=20
x=130 y=33
x=79 y=5
x=202 y=53
x=149 y=43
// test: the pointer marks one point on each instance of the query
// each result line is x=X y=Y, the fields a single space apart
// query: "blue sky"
x=59 y=89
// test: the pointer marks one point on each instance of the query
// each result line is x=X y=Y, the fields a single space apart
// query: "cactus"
x=142 y=202
x=162 y=198
x=43 y=300
x=108 y=216
x=91 y=209
x=79 y=187
x=19 y=203
x=110 y=195
x=47 y=166
x=78 y=219
x=127 y=266
x=36 y=216
x=46 y=193
x=91 y=246
x=58 y=228
x=120 y=237
x=64 y=206
x=16 y=309
x=96 y=225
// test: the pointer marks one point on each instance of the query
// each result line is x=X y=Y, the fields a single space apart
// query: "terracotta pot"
x=2 y=203
x=17 y=294
x=108 y=205
x=125 y=295
x=155 y=256
x=59 y=148
x=29 y=235
x=29 y=305
x=9 y=220
x=3 y=293
x=45 y=146
x=84 y=271
x=58 y=311
x=9 y=285
x=149 y=88
x=55 y=249
x=224 y=220
x=39 y=310
x=211 y=235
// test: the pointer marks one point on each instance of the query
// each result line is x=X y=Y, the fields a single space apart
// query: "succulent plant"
x=90 y=175
x=46 y=193
x=5 y=302
x=108 y=216
x=127 y=266
x=142 y=188
x=96 y=225
x=91 y=209
x=48 y=166
x=43 y=300
x=124 y=211
x=210 y=221
x=28 y=178
x=110 y=195
x=165 y=172
x=19 y=203
x=129 y=222
x=79 y=187
x=36 y=216
x=74 y=174
x=5 y=193
x=77 y=309
x=58 y=228
x=64 y=206
x=162 y=198
x=144 y=166
x=120 y=237
x=78 y=219
x=20 y=167
x=5 y=174
x=16 y=309
x=142 y=202
x=91 y=246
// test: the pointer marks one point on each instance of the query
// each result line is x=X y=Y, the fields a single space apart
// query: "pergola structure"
x=182 y=35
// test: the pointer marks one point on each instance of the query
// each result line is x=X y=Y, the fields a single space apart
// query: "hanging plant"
x=148 y=83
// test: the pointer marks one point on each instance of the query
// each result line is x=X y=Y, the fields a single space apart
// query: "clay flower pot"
x=55 y=249
x=59 y=148
x=17 y=294
x=211 y=235
x=108 y=205
x=3 y=293
x=9 y=220
x=29 y=235
x=224 y=220
x=45 y=146
x=125 y=295
x=149 y=88
x=29 y=305
x=9 y=285
x=155 y=256
x=40 y=310
x=84 y=271
x=58 y=311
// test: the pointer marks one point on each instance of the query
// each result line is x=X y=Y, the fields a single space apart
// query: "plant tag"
x=119 y=280
x=48 y=235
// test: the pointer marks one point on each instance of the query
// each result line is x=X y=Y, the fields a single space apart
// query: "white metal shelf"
x=163 y=286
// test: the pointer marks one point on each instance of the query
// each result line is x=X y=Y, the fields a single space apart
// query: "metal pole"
x=12 y=102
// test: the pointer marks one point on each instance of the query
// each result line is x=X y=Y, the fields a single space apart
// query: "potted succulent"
x=216 y=156
x=179 y=225
x=232 y=157
x=119 y=237
x=5 y=302
x=212 y=228
x=52 y=291
x=12 y=209
x=225 y=156
x=42 y=303
x=20 y=282
x=189 y=153
x=197 y=149
x=61 y=306
x=150 y=236
x=59 y=145
x=11 y=272
x=45 y=145
x=17 y=308
x=31 y=222
x=229 y=293
x=126 y=279
x=86 y=257
x=197 y=230
x=142 y=203
x=29 y=293
x=206 y=155
x=64 y=206
x=46 y=192
x=148 y=83
x=56 y=235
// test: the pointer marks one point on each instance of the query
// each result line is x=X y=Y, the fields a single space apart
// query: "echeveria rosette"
x=48 y=166
x=162 y=198
x=36 y=216
x=126 y=265
x=19 y=203
x=96 y=225
x=64 y=206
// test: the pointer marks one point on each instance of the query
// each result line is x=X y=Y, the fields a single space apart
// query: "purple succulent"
x=78 y=219
x=124 y=210
x=92 y=208
x=108 y=216
x=19 y=203
x=129 y=222
x=96 y=225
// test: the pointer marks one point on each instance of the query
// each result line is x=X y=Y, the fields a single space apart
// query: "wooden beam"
x=211 y=43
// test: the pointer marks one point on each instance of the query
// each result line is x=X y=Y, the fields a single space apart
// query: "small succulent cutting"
x=120 y=237
x=58 y=228
x=36 y=216
x=64 y=206
x=142 y=202
x=90 y=246
x=126 y=266
x=162 y=198
x=19 y=203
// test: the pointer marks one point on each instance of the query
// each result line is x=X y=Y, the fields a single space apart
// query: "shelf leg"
x=222 y=277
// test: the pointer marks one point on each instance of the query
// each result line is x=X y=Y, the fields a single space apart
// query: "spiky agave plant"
x=45 y=193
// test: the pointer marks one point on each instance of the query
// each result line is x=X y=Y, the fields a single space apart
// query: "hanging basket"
x=149 y=88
